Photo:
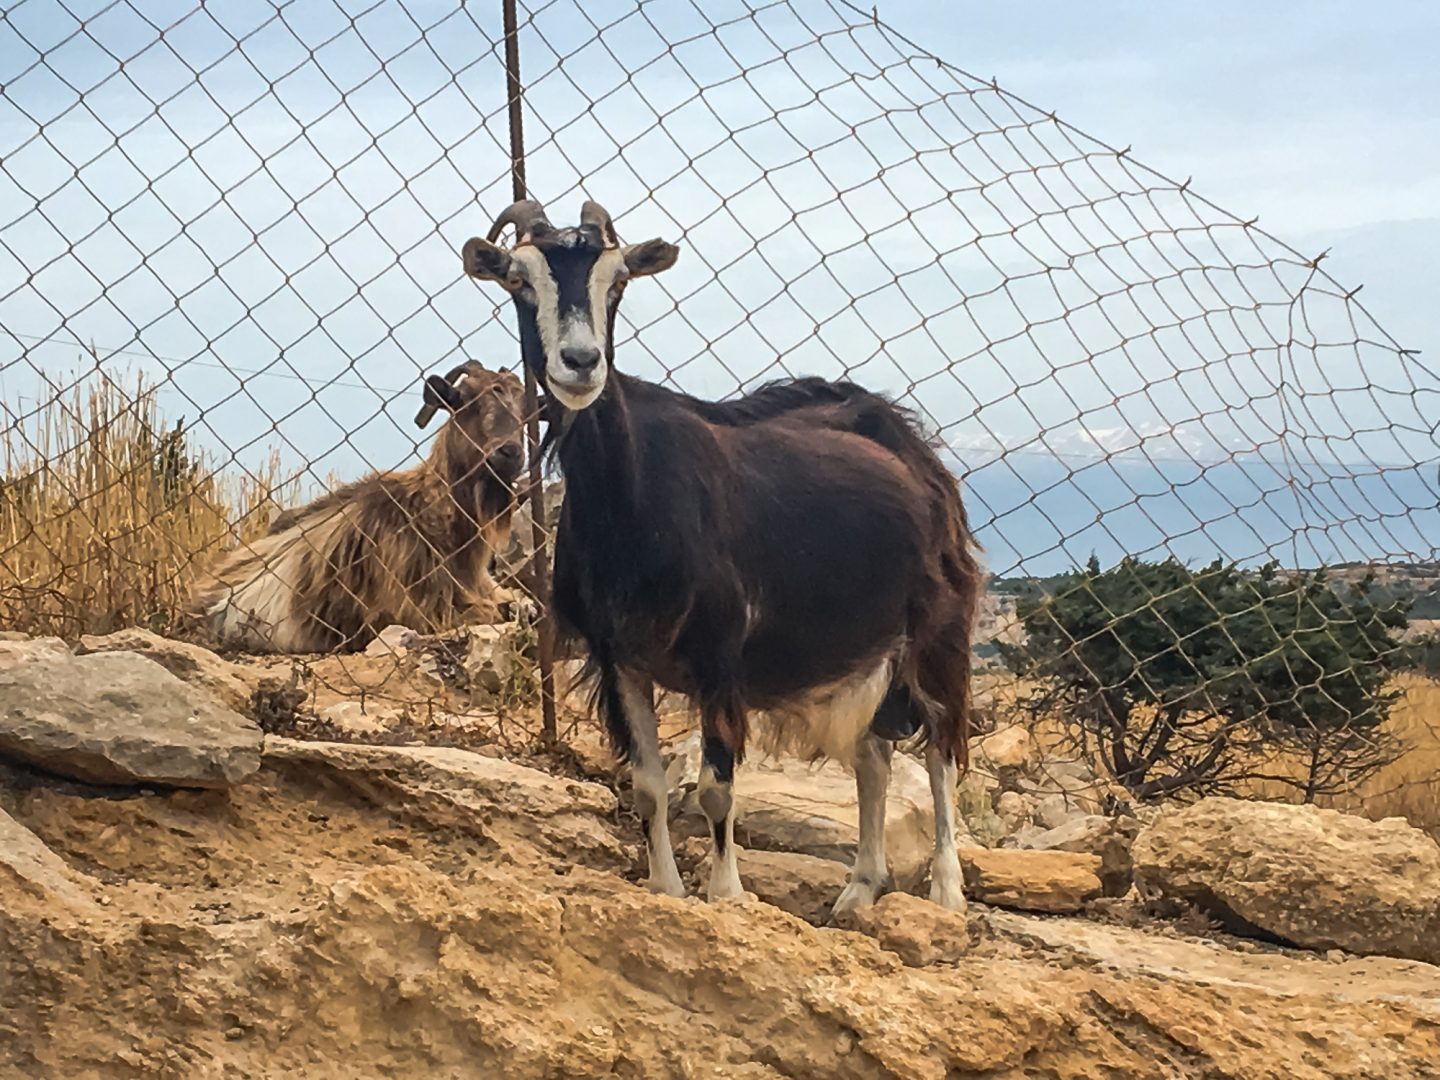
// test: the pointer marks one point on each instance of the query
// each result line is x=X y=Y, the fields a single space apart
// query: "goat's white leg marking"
x=870 y=877
x=652 y=793
x=946 y=880
x=717 y=799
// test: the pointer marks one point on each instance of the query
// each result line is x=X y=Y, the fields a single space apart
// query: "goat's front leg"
x=717 y=799
x=634 y=698
x=946 y=880
x=870 y=877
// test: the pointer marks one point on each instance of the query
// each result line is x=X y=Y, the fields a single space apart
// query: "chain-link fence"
x=228 y=256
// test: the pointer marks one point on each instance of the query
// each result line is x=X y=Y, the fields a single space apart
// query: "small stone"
x=395 y=640
x=1053 y=811
x=490 y=661
x=1015 y=810
x=1009 y=748
x=917 y=931
x=353 y=718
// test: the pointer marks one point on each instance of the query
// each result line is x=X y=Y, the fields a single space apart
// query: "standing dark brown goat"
x=801 y=552
x=411 y=547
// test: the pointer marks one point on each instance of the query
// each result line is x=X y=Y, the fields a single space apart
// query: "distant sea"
x=1040 y=515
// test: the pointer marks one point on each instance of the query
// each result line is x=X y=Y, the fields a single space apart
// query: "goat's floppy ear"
x=488 y=262
x=439 y=394
x=651 y=257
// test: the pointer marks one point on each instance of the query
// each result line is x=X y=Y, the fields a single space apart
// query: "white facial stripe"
x=576 y=331
x=602 y=276
x=547 y=296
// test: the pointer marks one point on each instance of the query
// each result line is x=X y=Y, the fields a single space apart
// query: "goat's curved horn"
x=526 y=215
x=427 y=411
x=592 y=213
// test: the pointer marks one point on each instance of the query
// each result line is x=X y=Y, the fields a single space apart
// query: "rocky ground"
x=288 y=907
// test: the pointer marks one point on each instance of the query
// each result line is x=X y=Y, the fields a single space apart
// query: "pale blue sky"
x=1322 y=117
x=274 y=231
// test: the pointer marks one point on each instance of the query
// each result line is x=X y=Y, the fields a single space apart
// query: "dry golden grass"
x=1410 y=786
x=106 y=514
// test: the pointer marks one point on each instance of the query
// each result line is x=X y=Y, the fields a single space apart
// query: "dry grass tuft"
x=106 y=513
x=1410 y=786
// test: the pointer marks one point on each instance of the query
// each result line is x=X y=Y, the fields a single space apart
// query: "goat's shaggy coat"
x=800 y=552
x=410 y=547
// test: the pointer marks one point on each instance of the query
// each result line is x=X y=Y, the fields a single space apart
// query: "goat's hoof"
x=949 y=896
x=742 y=895
x=859 y=893
x=664 y=887
x=724 y=889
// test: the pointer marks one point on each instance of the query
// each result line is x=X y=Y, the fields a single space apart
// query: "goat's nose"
x=580 y=359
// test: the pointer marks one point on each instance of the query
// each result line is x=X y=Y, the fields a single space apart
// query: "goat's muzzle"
x=507 y=460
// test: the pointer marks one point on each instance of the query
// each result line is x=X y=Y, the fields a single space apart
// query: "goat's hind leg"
x=629 y=704
x=946 y=880
x=870 y=877
x=717 y=799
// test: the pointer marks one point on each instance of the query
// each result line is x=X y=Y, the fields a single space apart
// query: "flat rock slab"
x=1109 y=838
x=1164 y=956
x=120 y=718
x=230 y=683
x=448 y=787
x=1315 y=878
x=1056 y=882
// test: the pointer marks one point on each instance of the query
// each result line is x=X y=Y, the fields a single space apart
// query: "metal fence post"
x=539 y=569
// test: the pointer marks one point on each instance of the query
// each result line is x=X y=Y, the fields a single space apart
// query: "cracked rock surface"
x=398 y=911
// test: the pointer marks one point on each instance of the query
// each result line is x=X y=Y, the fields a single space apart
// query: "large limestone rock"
x=788 y=805
x=1056 y=882
x=230 y=683
x=121 y=718
x=1317 y=878
x=403 y=915
x=447 y=787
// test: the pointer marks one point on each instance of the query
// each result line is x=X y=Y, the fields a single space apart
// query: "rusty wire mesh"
x=255 y=210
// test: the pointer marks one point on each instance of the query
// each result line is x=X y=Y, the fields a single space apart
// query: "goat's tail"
x=929 y=694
